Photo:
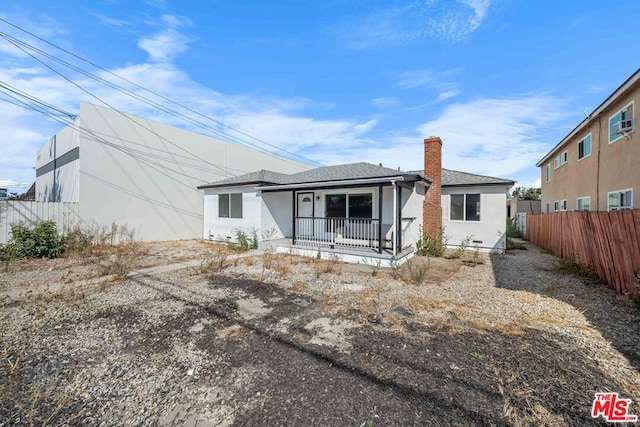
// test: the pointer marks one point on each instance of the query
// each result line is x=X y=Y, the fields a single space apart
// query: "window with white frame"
x=622 y=199
x=556 y=206
x=556 y=162
x=549 y=172
x=584 y=147
x=563 y=205
x=465 y=207
x=563 y=158
x=622 y=121
x=583 y=203
x=230 y=205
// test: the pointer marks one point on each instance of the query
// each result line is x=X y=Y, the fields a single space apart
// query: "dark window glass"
x=360 y=206
x=223 y=205
x=457 y=207
x=236 y=205
x=336 y=205
x=472 y=208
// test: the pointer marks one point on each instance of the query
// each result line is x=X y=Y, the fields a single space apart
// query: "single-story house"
x=360 y=210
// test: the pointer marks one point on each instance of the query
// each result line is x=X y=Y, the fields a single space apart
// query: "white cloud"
x=9 y=183
x=410 y=21
x=385 y=102
x=169 y=42
x=442 y=96
x=164 y=45
x=115 y=22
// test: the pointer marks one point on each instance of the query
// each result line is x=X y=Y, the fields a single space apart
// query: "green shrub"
x=40 y=241
x=428 y=246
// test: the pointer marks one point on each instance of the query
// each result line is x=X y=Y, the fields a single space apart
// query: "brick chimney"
x=432 y=209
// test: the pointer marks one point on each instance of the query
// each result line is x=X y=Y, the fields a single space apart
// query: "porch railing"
x=340 y=232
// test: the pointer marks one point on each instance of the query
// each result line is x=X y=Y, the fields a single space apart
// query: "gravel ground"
x=283 y=340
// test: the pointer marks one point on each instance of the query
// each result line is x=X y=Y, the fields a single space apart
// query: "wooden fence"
x=66 y=215
x=607 y=242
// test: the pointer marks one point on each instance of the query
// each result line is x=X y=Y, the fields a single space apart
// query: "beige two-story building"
x=597 y=165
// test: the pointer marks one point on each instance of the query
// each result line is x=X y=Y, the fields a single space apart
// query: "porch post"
x=399 y=219
x=394 y=227
x=380 y=240
x=293 y=216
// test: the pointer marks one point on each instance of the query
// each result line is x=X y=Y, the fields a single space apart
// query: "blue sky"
x=500 y=81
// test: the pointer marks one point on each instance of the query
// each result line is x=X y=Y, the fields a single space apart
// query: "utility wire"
x=40 y=103
x=107 y=104
x=157 y=94
x=124 y=150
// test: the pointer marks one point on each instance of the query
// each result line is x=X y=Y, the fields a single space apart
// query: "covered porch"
x=379 y=220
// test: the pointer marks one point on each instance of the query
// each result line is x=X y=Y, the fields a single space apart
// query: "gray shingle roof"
x=258 y=177
x=451 y=178
x=351 y=171
x=344 y=172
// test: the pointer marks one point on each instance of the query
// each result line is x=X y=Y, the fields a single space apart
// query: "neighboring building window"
x=583 y=203
x=548 y=207
x=556 y=205
x=563 y=205
x=622 y=199
x=549 y=172
x=556 y=162
x=624 y=120
x=230 y=205
x=563 y=158
x=584 y=147
x=465 y=207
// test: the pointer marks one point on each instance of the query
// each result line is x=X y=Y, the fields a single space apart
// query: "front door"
x=305 y=222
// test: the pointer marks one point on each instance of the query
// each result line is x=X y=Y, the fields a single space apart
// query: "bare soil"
x=516 y=340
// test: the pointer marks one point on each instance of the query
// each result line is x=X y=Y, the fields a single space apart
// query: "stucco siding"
x=216 y=228
x=276 y=215
x=489 y=232
x=610 y=167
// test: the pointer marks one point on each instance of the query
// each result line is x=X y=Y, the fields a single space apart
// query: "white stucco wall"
x=490 y=231
x=144 y=174
x=65 y=186
x=276 y=211
x=413 y=208
x=216 y=228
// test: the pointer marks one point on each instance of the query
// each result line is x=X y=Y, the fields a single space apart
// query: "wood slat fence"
x=607 y=242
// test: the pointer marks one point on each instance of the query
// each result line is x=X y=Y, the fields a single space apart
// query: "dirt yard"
x=518 y=339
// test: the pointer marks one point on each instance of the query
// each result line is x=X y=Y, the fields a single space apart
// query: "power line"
x=107 y=104
x=157 y=94
x=125 y=150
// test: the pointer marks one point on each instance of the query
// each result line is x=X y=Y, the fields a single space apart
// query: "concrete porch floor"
x=350 y=254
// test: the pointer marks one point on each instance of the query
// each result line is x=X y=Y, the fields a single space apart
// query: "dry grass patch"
x=233 y=331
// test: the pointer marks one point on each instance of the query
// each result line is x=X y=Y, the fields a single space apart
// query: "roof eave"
x=483 y=184
x=334 y=183
x=233 y=184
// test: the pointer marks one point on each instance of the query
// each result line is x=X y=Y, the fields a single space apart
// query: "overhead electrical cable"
x=159 y=95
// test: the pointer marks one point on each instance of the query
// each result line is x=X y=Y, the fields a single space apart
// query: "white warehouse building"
x=127 y=170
